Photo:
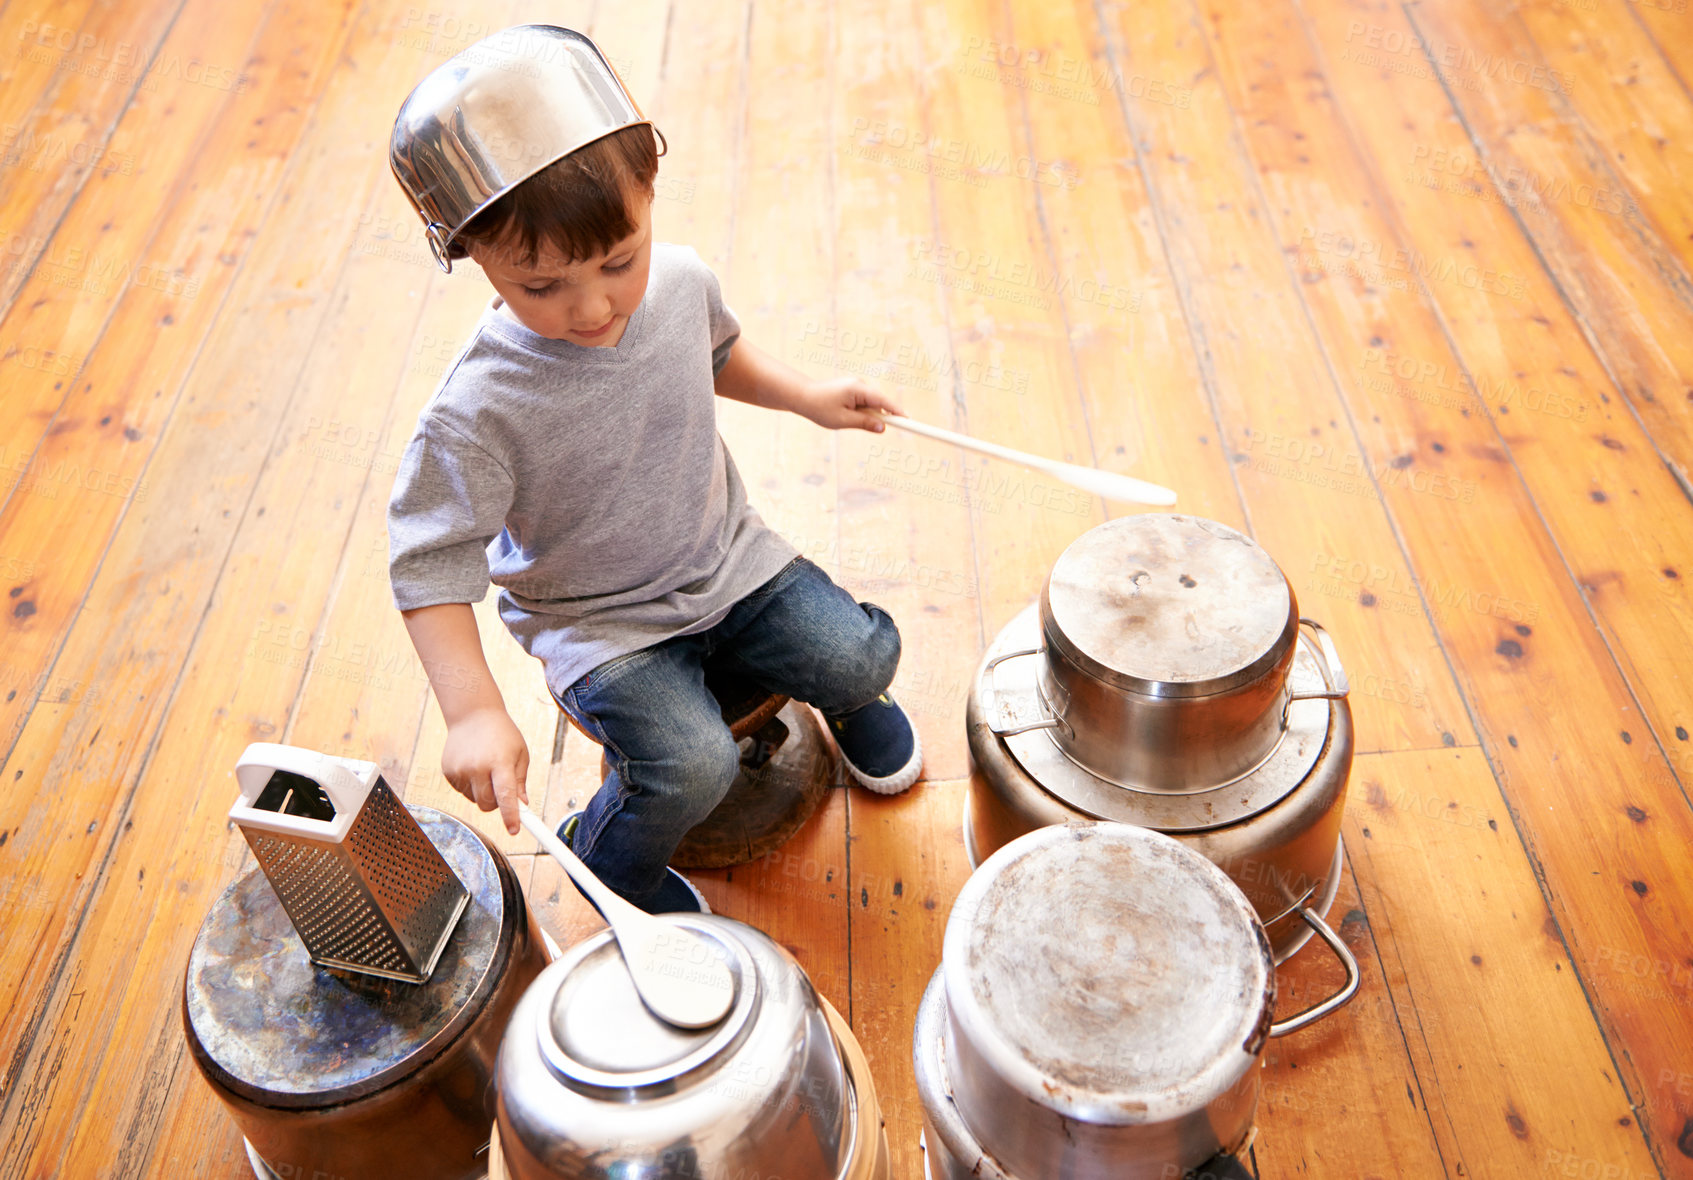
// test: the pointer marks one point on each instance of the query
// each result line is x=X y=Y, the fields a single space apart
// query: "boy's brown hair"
x=580 y=203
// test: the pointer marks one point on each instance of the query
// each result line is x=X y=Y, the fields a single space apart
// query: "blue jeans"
x=670 y=755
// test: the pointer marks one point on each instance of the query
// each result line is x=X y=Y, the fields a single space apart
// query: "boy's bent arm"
x=485 y=757
x=753 y=376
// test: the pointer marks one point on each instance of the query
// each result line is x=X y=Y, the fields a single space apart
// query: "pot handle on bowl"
x=1349 y=989
x=1335 y=683
x=1049 y=723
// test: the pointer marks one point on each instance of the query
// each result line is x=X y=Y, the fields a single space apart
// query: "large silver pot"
x=591 y=1084
x=1275 y=829
x=329 y=1073
x=1100 y=1011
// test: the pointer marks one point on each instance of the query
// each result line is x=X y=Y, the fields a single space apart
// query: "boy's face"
x=587 y=302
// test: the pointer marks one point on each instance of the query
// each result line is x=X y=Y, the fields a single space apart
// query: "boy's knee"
x=866 y=668
x=709 y=767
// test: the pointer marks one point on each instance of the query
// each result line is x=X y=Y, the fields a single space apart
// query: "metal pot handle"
x=1049 y=723
x=1321 y=1009
x=1335 y=683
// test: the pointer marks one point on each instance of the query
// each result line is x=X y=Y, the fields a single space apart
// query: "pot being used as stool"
x=592 y=1084
x=340 y=1075
x=787 y=767
x=1100 y=1013
x=1166 y=679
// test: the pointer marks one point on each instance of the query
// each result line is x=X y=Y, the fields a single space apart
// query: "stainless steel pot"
x=334 y=1074
x=1100 y=1011
x=1275 y=830
x=593 y=1085
x=1167 y=642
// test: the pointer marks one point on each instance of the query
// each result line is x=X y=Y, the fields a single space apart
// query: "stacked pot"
x=1166 y=679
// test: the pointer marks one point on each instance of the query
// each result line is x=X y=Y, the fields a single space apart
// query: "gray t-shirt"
x=590 y=484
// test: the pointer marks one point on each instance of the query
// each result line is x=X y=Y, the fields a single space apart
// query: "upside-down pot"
x=593 y=1084
x=1087 y=706
x=1100 y=1013
x=341 y=1075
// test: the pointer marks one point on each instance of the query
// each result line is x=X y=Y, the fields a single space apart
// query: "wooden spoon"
x=1106 y=484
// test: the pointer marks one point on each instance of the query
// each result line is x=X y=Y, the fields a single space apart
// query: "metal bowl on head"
x=592 y=1084
x=495 y=114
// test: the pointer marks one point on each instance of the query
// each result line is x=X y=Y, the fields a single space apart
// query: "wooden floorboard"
x=1342 y=272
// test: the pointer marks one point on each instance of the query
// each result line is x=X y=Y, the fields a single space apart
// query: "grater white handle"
x=346 y=781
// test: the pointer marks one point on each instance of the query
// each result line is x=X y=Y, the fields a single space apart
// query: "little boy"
x=570 y=455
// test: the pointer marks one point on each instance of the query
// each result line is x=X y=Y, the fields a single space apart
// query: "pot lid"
x=1168 y=605
x=600 y=1039
x=1108 y=973
x=269 y=1024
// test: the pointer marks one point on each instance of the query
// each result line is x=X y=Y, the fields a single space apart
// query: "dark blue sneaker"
x=676 y=896
x=880 y=746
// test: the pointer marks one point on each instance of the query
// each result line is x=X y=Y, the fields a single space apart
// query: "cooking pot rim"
x=1207 y=1083
x=1075 y=659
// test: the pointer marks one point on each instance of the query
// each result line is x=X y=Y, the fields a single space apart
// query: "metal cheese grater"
x=363 y=885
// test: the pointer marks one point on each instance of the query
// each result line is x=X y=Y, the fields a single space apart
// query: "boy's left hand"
x=845 y=401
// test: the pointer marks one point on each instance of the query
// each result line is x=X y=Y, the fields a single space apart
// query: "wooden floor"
x=1405 y=290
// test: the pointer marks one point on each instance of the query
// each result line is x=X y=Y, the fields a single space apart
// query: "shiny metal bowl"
x=592 y=1084
x=495 y=114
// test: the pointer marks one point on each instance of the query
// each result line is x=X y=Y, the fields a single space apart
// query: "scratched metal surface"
x=1163 y=599
x=1115 y=966
x=282 y=1027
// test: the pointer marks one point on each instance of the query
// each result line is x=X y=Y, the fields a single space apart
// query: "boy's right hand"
x=487 y=761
